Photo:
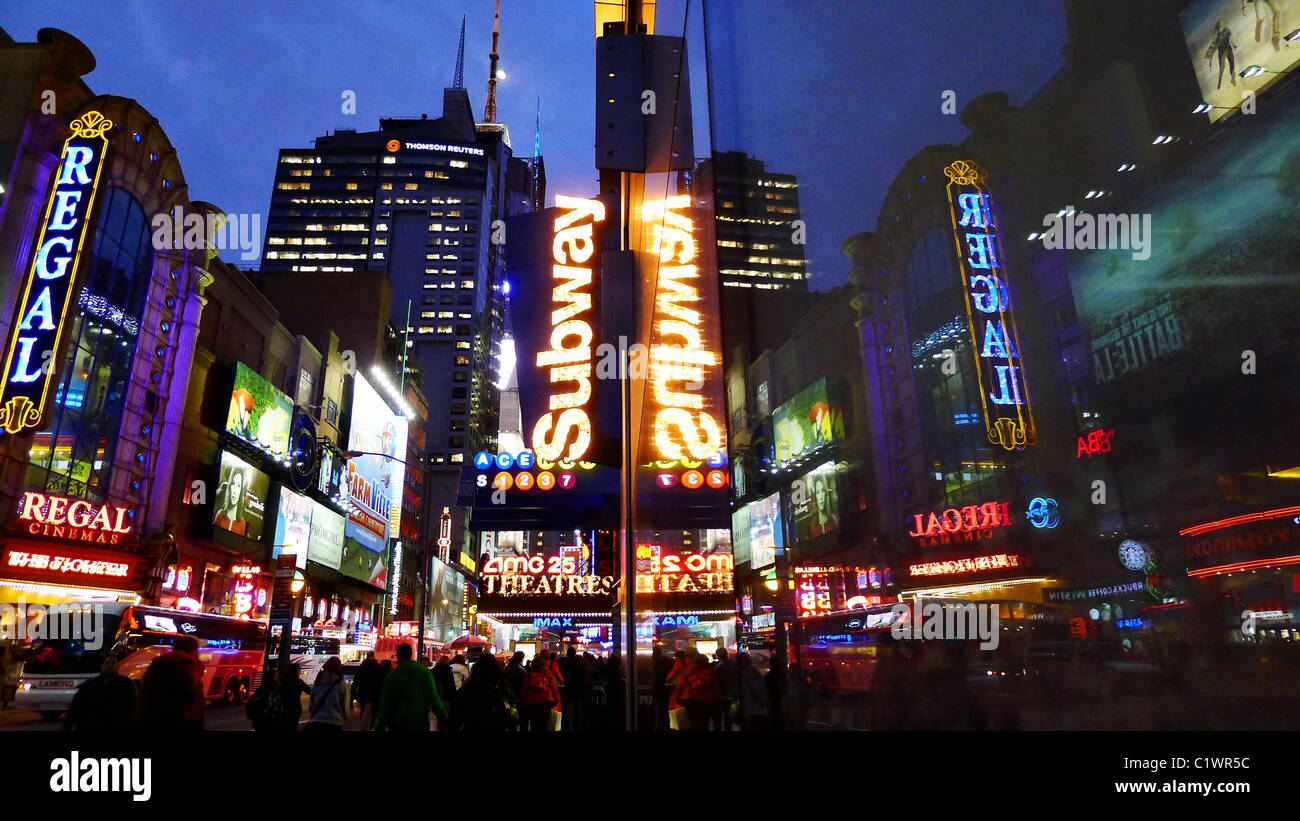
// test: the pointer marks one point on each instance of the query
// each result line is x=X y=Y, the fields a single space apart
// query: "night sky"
x=838 y=93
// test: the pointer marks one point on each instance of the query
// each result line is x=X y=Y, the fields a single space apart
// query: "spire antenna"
x=459 y=81
x=490 y=109
x=537 y=131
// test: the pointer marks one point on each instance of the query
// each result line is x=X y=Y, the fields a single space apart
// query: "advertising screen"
x=325 y=545
x=258 y=412
x=293 y=526
x=374 y=483
x=765 y=535
x=446 y=607
x=740 y=535
x=241 y=497
x=1227 y=37
x=816 y=500
x=807 y=421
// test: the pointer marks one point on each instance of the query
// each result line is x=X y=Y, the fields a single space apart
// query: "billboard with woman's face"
x=241 y=497
x=815 y=498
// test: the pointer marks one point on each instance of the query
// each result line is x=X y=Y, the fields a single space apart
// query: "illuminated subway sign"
x=564 y=431
x=683 y=426
x=47 y=296
x=59 y=517
x=1008 y=418
x=966 y=524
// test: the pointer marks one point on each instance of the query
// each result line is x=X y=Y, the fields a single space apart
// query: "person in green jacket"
x=408 y=696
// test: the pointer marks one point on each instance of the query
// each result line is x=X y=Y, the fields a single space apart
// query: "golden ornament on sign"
x=90 y=124
x=964 y=173
x=19 y=413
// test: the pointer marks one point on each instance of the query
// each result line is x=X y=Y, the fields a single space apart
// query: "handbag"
x=677 y=719
x=556 y=718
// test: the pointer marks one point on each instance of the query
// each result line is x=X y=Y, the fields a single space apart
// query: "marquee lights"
x=1008 y=419
x=569 y=357
x=43 y=309
x=63 y=518
x=678 y=358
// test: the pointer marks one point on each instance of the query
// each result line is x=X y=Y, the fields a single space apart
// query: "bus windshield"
x=72 y=656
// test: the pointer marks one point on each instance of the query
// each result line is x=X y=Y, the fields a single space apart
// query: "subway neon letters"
x=564 y=431
x=47 y=294
x=679 y=361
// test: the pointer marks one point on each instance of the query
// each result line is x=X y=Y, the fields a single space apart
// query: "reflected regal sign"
x=1008 y=419
x=33 y=342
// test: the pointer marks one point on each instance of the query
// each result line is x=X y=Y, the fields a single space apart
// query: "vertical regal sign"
x=1008 y=418
x=42 y=313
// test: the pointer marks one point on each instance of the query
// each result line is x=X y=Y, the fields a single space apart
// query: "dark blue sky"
x=840 y=93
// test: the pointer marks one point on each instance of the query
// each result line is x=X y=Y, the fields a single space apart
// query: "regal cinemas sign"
x=960 y=524
x=58 y=517
x=47 y=291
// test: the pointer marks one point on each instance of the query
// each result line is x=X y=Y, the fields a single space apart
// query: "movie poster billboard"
x=374 y=484
x=325 y=544
x=293 y=526
x=242 y=490
x=765 y=536
x=815 y=497
x=810 y=419
x=259 y=413
x=1226 y=38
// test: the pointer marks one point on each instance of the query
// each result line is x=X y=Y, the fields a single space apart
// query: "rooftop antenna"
x=490 y=109
x=537 y=131
x=459 y=82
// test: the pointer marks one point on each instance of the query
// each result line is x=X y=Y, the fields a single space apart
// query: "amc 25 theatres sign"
x=47 y=292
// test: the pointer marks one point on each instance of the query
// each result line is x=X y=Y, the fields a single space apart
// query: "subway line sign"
x=47 y=295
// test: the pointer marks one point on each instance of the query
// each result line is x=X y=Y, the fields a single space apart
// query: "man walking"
x=409 y=696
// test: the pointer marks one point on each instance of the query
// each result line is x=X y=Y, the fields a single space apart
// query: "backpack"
x=266 y=706
x=537 y=688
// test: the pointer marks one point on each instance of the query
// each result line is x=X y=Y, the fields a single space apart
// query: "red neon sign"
x=969 y=519
x=63 y=518
x=1095 y=442
x=976 y=564
x=1219 y=524
x=73 y=565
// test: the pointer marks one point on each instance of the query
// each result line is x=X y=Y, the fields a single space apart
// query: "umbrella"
x=467 y=641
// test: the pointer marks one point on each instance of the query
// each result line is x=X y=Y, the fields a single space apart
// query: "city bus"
x=230 y=649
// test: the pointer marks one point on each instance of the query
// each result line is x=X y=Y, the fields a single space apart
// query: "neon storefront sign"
x=59 y=517
x=47 y=295
x=975 y=521
x=1094 y=442
x=975 y=564
x=1008 y=419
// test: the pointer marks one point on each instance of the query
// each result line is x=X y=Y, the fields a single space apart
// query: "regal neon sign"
x=968 y=523
x=47 y=296
x=59 y=517
x=679 y=360
x=564 y=431
x=1008 y=419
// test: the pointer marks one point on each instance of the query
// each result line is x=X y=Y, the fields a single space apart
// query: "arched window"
x=73 y=453
x=957 y=455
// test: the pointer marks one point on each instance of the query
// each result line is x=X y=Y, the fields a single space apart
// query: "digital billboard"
x=374 y=482
x=815 y=497
x=446 y=607
x=740 y=535
x=293 y=526
x=765 y=536
x=809 y=420
x=242 y=491
x=1226 y=38
x=325 y=544
x=259 y=413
